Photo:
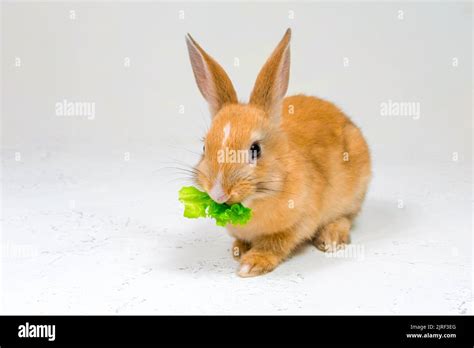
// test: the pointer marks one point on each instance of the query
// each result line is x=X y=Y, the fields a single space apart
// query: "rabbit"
x=307 y=170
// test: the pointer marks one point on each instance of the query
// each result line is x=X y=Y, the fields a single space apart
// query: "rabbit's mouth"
x=218 y=194
x=240 y=193
x=251 y=194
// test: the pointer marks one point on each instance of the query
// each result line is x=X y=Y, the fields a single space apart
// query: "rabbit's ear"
x=272 y=81
x=213 y=82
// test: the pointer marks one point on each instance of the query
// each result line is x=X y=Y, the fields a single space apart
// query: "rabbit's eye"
x=255 y=151
x=204 y=148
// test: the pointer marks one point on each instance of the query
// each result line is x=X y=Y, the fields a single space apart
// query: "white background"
x=86 y=231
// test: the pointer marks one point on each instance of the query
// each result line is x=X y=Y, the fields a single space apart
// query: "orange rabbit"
x=307 y=167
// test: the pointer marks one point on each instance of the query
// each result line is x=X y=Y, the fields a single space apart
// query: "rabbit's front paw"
x=255 y=263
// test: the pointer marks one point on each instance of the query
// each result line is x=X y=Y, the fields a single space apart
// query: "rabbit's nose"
x=218 y=197
x=222 y=199
x=217 y=192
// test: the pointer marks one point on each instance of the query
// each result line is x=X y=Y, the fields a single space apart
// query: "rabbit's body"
x=309 y=167
x=327 y=172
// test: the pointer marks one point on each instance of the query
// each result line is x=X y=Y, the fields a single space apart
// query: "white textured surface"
x=124 y=247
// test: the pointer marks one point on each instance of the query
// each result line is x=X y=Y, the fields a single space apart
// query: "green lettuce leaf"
x=198 y=204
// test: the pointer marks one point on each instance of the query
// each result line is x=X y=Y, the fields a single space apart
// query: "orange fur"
x=311 y=178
